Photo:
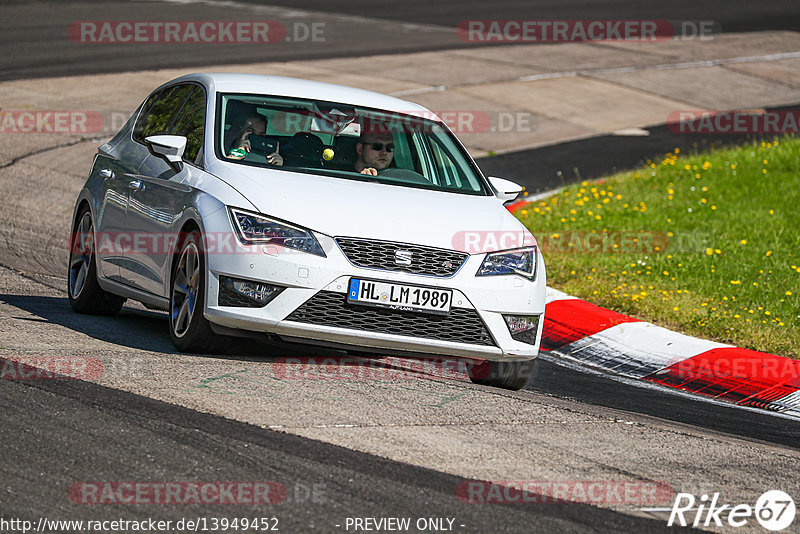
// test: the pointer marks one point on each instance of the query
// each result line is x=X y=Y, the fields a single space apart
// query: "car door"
x=156 y=196
x=111 y=217
x=113 y=167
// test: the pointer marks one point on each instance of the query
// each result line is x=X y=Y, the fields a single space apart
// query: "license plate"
x=399 y=296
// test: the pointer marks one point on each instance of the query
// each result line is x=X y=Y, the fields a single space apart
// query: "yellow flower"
x=769 y=253
x=743 y=241
x=788 y=293
x=736 y=282
x=710 y=251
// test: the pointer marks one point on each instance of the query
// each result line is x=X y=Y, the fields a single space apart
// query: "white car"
x=248 y=204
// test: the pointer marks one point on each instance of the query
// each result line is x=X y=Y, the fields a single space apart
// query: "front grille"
x=381 y=255
x=328 y=308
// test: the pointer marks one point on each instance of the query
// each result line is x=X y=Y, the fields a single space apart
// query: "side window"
x=161 y=113
x=191 y=124
x=445 y=167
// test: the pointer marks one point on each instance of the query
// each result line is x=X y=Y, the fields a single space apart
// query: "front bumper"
x=308 y=279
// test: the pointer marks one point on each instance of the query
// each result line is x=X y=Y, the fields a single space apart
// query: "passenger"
x=240 y=144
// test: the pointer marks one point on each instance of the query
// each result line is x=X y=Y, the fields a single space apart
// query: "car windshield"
x=341 y=141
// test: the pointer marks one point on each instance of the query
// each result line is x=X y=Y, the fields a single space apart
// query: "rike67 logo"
x=774 y=510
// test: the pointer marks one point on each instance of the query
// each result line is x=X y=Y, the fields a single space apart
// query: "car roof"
x=226 y=82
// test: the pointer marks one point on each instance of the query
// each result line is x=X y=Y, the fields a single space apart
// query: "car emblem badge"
x=447 y=264
x=402 y=257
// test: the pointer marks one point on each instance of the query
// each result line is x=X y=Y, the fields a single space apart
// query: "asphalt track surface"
x=57 y=432
x=35 y=41
x=106 y=434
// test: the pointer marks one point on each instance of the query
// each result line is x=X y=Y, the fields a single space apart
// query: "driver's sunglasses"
x=377 y=147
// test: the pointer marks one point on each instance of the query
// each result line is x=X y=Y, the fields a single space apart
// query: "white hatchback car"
x=318 y=213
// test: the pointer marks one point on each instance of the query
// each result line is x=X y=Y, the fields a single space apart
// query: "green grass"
x=717 y=244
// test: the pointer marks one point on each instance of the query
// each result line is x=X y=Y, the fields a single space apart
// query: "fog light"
x=236 y=292
x=523 y=328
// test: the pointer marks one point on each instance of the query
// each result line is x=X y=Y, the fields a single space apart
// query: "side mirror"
x=506 y=189
x=168 y=147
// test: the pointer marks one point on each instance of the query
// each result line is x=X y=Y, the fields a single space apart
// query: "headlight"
x=521 y=262
x=254 y=229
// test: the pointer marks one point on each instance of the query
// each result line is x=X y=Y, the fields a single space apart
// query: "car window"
x=324 y=138
x=448 y=173
x=191 y=123
x=163 y=107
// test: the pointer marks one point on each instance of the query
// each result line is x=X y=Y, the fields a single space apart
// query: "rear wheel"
x=506 y=375
x=84 y=292
x=189 y=329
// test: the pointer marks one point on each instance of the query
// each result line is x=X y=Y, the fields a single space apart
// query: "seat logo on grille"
x=402 y=257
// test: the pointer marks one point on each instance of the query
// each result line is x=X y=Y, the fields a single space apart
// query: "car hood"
x=340 y=207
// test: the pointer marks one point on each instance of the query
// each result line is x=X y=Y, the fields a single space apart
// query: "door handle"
x=107 y=173
x=136 y=185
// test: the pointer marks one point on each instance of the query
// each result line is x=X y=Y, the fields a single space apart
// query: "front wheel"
x=84 y=292
x=506 y=375
x=189 y=330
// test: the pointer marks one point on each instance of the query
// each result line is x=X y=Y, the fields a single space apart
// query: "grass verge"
x=707 y=244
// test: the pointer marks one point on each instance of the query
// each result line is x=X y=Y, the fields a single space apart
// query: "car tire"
x=189 y=330
x=83 y=290
x=506 y=375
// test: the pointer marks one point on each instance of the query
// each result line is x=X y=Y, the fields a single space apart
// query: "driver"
x=375 y=152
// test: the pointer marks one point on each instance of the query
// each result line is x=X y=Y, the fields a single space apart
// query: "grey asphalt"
x=63 y=432
x=35 y=42
x=54 y=433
